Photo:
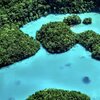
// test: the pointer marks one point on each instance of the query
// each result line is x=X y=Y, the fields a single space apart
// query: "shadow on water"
x=86 y=80
x=11 y=98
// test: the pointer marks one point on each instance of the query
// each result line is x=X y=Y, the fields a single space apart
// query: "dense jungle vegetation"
x=91 y=41
x=15 y=45
x=72 y=20
x=87 y=21
x=56 y=37
x=23 y=11
x=58 y=94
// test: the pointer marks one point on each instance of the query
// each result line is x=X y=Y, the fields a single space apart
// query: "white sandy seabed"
x=61 y=71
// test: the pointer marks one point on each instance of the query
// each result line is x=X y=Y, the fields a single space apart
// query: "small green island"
x=58 y=94
x=56 y=37
x=72 y=20
x=87 y=21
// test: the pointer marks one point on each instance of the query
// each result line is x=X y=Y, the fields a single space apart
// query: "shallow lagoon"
x=44 y=70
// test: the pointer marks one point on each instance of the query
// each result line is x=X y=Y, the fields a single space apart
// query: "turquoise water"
x=44 y=70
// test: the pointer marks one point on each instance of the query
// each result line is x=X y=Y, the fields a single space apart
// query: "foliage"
x=70 y=6
x=58 y=94
x=91 y=41
x=56 y=37
x=87 y=21
x=51 y=33
x=72 y=20
x=96 y=51
x=22 y=11
x=15 y=45
x=86 y=39
x=96 y=48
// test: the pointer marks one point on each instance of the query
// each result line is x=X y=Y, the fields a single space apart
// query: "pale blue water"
x=44 y=70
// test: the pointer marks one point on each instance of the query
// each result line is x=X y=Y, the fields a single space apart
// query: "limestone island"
x=56 y=37
x=15 y=45
x=58 y=94
x=87 y=21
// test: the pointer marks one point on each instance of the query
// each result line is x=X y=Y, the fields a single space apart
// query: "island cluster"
x=56 y=37
x=19 y=12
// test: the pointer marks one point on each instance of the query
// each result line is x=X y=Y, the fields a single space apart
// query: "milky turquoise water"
x=44 y=70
